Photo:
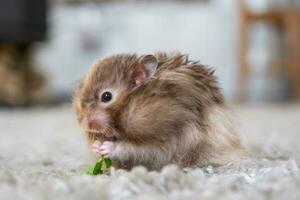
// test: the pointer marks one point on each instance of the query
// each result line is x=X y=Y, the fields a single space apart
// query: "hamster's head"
x=102 y=93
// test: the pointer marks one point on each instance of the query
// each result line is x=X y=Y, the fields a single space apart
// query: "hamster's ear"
x=144 y=69
x=150 y=64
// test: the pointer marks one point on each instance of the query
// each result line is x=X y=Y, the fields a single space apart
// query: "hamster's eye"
x=106 y=97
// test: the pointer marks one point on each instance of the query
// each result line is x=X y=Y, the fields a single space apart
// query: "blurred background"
x=45 y=47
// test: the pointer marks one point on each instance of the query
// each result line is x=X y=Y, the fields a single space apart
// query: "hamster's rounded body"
x=174 y=114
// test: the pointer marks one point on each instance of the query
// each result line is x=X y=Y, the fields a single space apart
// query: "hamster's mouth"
x=107 y=133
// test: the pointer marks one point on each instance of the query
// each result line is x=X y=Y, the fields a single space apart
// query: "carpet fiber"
x=42 y=154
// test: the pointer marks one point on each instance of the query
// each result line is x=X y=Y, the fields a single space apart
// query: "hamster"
x=154 y=110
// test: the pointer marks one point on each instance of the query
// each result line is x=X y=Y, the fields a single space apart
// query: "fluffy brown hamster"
x=153 y=110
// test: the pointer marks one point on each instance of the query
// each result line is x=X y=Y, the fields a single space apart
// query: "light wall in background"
x=79 y=35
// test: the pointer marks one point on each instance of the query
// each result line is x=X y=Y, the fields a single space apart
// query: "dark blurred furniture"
x=287 y=19
x=22 y=21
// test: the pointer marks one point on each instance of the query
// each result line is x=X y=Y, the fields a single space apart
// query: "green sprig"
x=98 y=167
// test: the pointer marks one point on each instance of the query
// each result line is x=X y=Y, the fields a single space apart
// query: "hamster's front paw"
x=96 y=148
x=107 y=149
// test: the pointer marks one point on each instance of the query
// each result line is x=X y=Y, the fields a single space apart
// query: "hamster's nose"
x=93 y=124
x=95 y=121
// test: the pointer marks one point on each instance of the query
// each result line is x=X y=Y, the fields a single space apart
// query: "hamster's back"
x=177 y=110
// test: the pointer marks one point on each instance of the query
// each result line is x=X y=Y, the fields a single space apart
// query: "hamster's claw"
x=96 y=148
x=107 y=149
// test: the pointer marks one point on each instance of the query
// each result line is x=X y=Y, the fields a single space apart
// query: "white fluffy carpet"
x=42 y=152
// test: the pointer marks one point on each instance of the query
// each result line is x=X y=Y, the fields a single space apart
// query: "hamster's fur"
x=165 y=109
